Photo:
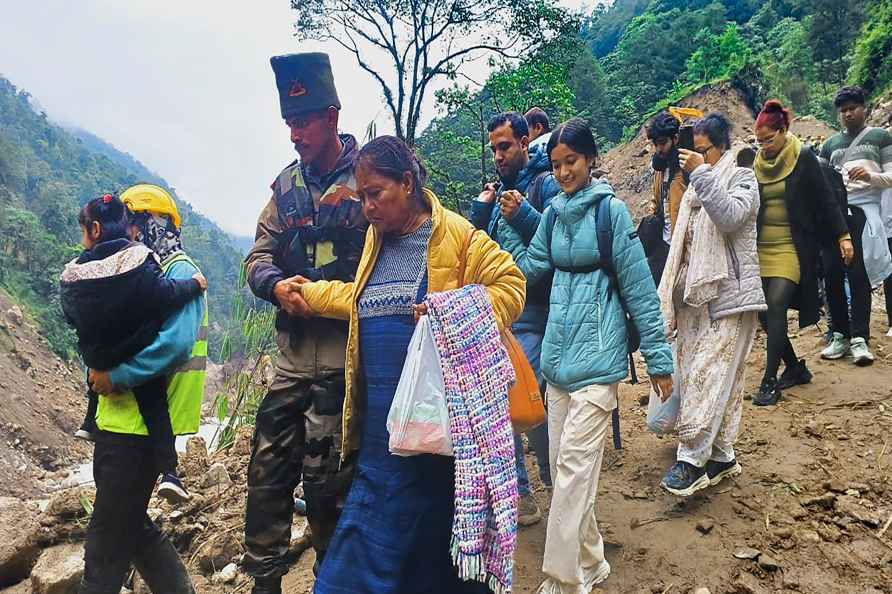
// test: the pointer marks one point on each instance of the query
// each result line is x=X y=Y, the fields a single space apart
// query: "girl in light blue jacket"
x=585 y=349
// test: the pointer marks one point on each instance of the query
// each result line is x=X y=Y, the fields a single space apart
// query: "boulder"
x=70 y=503
x=194 y=462
x=217 y=476
x=19 y=534
x=15 y=316
x=59 y=570
x=218 y=552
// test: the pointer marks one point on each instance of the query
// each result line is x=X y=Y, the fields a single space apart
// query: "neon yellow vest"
x=185 y=389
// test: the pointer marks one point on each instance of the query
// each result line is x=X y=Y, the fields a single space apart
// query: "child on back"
x=116 y=297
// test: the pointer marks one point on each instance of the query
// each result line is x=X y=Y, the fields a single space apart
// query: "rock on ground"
x=19 y=533
x=59 y=570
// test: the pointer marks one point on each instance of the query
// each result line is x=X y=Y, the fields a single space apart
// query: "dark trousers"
x=151 y=397
x=887 y=288
x=297 y=435
x=858 y=324
x=120 y=533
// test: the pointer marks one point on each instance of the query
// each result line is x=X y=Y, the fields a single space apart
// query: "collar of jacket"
x=570 y=209
x=346 y=161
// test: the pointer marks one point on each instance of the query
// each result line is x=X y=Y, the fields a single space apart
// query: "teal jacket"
x=171 y=347
x=585 y=338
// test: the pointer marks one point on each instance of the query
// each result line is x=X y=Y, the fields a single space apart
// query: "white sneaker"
x=838 y=348
x=860 y=353
x=598 y=575
x=889 y=333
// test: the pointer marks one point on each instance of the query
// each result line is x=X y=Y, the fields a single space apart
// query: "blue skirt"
x=394 y=533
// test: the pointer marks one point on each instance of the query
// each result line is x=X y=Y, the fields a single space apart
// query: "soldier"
x=313 y=227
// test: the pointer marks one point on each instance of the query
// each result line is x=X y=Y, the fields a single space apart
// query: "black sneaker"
x=172 y=489
x=719 y=471
x=797 y=375
x=768 y=394
x=685 y=479
x=267 y=585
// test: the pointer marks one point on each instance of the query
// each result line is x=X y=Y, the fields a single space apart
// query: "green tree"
x=832 y=26
x=872 y=61
x=717 y=56
x=423 y=40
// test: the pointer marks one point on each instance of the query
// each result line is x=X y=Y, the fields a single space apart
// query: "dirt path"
x=832 y=436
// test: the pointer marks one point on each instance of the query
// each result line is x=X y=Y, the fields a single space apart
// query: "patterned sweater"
x=873 y=153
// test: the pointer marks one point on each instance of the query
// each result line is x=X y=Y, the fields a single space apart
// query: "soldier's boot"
x=267 y=585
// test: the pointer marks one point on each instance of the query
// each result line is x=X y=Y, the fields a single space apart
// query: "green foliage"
x=252 y=325
x=717 y=56
x=872 y=61
x=832 y=26
x=46 y=174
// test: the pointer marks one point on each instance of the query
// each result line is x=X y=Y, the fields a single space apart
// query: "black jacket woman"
x=798 y=216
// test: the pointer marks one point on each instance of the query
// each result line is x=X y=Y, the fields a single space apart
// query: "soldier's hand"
x=202 y=281
x=101 y=382
x=290 y=300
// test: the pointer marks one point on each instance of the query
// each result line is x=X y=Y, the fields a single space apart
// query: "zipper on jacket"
x=734 y=262
x=600 y=319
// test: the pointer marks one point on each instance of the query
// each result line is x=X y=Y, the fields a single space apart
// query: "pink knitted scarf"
x=478 y=374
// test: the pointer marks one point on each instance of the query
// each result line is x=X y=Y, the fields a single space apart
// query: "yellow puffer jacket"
x=487 y=265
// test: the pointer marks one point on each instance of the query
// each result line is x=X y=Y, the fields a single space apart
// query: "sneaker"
x=797 y=375
x=768 y=394
x=837 y=349
x=172 y=489
x=684 y=479
x=85 y=435
x=267 y=585
x=719 y=471
x=528 y=512
x=300 y=506
x=597 y=575
x=860 y=353
x=889 y=333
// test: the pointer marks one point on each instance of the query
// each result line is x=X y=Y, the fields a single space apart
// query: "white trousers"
x=578 y=423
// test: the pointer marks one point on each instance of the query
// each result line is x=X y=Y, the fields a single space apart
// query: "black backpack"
x=604 y=226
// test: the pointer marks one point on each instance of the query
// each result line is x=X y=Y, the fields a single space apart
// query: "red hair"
x=774 y=115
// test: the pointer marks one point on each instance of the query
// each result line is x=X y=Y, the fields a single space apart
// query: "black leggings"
x=779 y=293
x=887 y=287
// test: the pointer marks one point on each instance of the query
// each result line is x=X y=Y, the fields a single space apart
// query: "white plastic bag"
x=662 y=416
x=418 y=421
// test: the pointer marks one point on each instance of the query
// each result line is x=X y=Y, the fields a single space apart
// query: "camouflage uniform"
x=312 y=226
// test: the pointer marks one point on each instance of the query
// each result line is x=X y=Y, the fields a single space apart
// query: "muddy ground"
x=813 y=498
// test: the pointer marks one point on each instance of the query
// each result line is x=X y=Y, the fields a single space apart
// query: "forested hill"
x=632 y=57
x=46 y=174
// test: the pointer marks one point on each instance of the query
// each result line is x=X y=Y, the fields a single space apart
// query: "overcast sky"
x=183 y=85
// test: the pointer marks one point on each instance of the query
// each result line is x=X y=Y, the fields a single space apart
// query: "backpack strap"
x=534 y=194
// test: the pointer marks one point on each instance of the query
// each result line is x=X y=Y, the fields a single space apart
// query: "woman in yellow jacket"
x=394 y=534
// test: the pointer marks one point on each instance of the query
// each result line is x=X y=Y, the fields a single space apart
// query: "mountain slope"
x=46 y=174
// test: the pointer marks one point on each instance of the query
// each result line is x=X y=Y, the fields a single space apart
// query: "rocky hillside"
x=628 y=165
x=42 y=406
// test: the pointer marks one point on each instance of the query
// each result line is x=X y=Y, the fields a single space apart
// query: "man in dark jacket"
x=313 y=227
x=525 y=190
x=670 y=183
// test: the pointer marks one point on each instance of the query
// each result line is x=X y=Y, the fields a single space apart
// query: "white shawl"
x=709 y=263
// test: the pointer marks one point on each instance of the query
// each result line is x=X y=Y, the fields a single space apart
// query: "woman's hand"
x=101 y=382
x=202 y=281
x=847 y=250
x=690 y=160
x=662 y=385
x=419 y=310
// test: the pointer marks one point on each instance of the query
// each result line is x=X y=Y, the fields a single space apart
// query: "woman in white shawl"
x=711 y=292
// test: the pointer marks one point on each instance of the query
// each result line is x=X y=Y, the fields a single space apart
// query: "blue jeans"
x=529 y=333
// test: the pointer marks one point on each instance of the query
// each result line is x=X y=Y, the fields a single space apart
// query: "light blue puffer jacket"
x=585 y=338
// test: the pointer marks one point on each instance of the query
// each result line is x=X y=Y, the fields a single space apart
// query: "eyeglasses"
x=767 y=141
x=704 y=150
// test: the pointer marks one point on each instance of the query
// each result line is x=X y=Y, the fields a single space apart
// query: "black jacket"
x=816 y=223
x=116 y=297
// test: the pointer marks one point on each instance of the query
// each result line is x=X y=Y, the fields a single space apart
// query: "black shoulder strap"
x=605 y=241
x=534 y=194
